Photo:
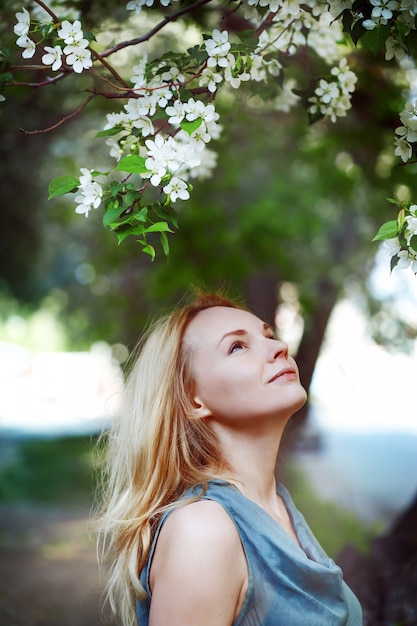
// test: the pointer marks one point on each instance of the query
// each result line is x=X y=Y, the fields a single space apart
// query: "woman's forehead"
x=211 y=324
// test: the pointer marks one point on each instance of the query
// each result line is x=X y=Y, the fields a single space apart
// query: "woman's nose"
x=277 y=349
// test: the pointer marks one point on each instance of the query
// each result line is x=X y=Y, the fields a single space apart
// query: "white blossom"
x=411 y=222
x=409 y=134
x=116 y=119
x=177 y=188
x=23 y=23
x=211 y=78
x=202 y=170
x=346 y=78
x=136 y=116
x=137 y=107
x=369 y=24
x=409 y=115
x=272 y=5
x=217 y=48
x=173 y=75
x=29 y=46
x=392 y=246
x=137 y=5
x=231 y=75
x=338 y=6
x=199 y=138
x=139 y=78
x=326 y=91
x=71 y=32
x=163 y=157
x=78 y=56
x=407 y=258
x=91 y=193
x=115 y=149
x=53 y=57
x=403 y=149
x=176 y=112
x=394 y=48
x=383 y=9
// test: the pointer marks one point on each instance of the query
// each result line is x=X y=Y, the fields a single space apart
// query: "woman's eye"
x=237 y=345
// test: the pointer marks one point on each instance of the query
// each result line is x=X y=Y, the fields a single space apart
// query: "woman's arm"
x=199 y=574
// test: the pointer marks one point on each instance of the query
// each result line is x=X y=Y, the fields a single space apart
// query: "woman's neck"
x=251 y=457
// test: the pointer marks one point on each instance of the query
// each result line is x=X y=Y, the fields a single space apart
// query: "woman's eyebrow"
x=239 y=332
x=242 y=332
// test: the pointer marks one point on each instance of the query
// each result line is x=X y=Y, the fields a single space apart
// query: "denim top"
x=288 y=585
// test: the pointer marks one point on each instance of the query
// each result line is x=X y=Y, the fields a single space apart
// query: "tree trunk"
x=261 y=291
x=309 y=349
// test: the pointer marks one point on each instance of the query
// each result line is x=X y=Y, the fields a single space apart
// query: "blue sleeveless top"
x=288 y=585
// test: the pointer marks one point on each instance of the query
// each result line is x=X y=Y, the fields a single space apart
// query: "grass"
x=61 y=472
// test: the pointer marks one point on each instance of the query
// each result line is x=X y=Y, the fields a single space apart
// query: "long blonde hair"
x=154 y=452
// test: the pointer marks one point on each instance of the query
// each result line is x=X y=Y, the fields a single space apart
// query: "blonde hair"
x=154 y=452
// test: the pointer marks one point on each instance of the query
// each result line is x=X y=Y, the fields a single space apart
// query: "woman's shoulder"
x=198 y=554
x=202 y=520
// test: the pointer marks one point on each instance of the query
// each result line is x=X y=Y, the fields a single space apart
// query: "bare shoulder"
x=199 y=572
x=204 y=519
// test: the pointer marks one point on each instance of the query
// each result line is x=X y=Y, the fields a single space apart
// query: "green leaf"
x=133 y=164
x=90 y=36
x=357 y=32
x=347 y=20
x=394 y=261
x=135 y=230
x=166 y=212
x=140 y=216
x=376 y=38
x=115 y=187
x=62 y=185
x=111 y=215
x=413 y=243
x=402 y=31
x=165 y=244
x=6 y=78
x=148 y=249
x=389 y=230
x=46 y=29
x=110 y=131
x=5 y=55
x=159 y=227
x=190 y=127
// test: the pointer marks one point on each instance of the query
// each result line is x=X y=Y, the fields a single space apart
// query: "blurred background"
x=286 y=223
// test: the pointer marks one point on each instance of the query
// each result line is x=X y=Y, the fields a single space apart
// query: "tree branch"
x=153 y=31
x=48 y=81
x=49 y=11
x=61 y=121
x=267 y=21
x=110 y=68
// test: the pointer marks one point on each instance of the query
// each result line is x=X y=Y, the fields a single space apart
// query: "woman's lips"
x=288 y=373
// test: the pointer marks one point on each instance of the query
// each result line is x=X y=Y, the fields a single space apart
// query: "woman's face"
x=240 y=370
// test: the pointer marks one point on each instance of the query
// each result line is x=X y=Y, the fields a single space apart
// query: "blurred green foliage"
x=48 y=471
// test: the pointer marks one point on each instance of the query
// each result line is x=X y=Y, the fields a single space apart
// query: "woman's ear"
x=200 y=410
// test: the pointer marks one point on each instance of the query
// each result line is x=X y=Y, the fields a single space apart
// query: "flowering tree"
x=269 y=55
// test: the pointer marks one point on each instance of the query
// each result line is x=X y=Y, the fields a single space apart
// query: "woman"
x=198 y=531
